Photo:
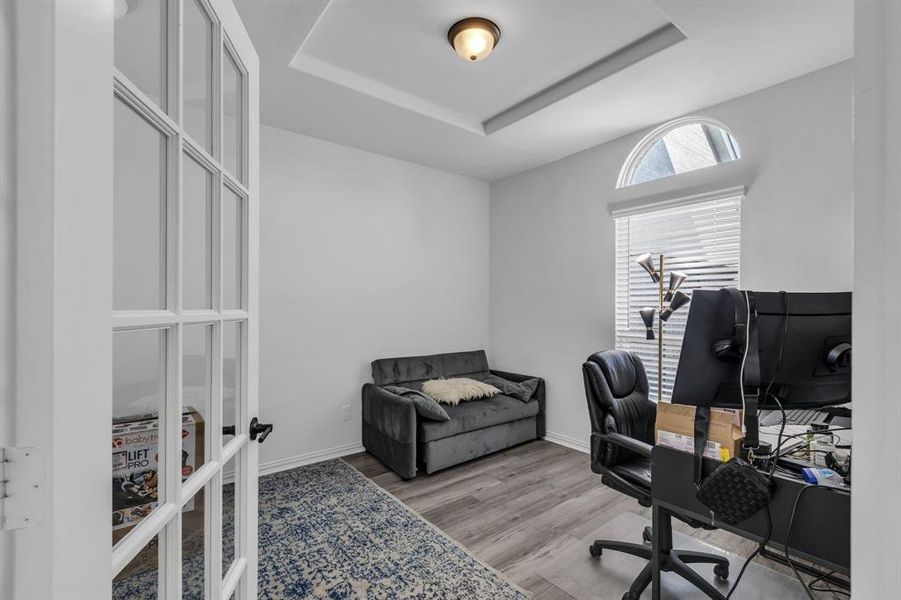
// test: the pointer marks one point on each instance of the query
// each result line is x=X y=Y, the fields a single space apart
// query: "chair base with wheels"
x=671 y=560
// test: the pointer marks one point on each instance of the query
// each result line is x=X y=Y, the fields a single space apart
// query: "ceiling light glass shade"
x=473 y=39
x=679 y=300
x=675 y=280
x=647 y=317
x=647 y=263
x=120 y=9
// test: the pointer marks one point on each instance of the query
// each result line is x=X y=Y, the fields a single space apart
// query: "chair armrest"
x=627 y=443
x=393 y=415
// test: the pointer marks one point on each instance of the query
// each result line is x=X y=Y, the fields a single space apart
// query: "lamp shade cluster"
x=673 y=299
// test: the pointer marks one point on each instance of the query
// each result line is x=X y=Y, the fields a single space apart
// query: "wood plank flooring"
x=511 y=508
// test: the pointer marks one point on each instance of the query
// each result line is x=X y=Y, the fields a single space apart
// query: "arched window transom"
x=678 y=147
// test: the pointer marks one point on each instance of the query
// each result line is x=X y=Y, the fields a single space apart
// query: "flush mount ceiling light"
x=474 y=38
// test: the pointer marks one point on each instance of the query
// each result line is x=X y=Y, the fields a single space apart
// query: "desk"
x=822 y=529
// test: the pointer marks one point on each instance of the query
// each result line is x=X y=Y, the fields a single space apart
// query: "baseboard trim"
x=567 y=441
x=283 y=464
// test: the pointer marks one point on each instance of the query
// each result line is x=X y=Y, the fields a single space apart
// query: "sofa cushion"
x=477 y=414
x=411 y=371
x=458 y=389
x=523 y=390
x=426 y=407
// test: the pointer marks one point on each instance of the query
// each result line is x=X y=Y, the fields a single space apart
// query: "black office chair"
x=622 y=434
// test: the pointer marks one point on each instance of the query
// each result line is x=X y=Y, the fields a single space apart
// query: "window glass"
x=232 y=384
x=140 y=45
x=702 y=240
x=685 y=148
x=197 y=92
x=232 y=249
x=139 y=212
x=232 y=111
x=140 y=578
x=193 y=547
x=229 y=515
x=197 y=388
x=197 y=236
x=139 y=393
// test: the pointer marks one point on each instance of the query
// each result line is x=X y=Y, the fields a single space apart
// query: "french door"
x=184 y=293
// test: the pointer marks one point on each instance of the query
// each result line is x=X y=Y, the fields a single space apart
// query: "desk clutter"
x=786 y=356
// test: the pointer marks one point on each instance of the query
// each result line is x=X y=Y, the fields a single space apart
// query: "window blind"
x=703 y=240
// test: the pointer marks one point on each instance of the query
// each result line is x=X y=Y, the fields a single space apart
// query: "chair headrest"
x=618 y=367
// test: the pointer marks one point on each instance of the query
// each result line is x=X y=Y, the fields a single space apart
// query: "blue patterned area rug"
x=328 y=532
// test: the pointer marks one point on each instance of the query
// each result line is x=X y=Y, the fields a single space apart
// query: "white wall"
x=362 y=257
x=552 y=237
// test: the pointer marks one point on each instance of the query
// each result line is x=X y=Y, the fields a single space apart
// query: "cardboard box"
x=135 y=468
x=675 y=427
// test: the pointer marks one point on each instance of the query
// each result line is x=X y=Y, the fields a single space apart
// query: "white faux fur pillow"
x=453 y=391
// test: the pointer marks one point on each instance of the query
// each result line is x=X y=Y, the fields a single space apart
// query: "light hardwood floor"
x=512 y=507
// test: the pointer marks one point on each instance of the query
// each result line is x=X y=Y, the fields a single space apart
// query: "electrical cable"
x=786 y=302
x=782 y=337
x=828 y=588
x=744 y=356
x=791 y=523
x=811 y=432
x=760 y=547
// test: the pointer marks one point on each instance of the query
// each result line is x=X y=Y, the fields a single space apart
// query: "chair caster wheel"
x=647 y=535
x=595 y=551
x=722 y=572
x=629 y=596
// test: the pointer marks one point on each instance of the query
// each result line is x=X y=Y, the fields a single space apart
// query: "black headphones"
x=733 y=348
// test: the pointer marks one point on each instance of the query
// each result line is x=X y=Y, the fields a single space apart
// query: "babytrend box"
x=136 y=469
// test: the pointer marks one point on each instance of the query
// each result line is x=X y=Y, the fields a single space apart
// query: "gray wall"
x=362 y=256
x=552 y=237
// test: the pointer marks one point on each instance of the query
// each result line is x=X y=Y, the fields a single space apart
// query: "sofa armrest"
x=515 y=377
x=389 y=429
x=540 y=394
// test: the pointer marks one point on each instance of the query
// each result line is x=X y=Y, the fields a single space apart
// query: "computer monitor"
x=815 y=326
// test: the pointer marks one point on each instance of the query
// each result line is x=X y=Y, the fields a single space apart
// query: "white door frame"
x=876 y=490
x=63 y=294
x=64 y=174
x=7 y=258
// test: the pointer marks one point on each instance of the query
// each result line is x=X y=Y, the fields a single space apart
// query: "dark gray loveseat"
x=394 y=433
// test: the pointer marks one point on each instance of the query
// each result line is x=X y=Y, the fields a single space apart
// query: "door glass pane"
x=229 y=514
x=193 y=556
x=139 y=580
x=139 y=213
x=197 y=235
x=140 y=46
x=231 y=374
x=197 y=386
x=198 y=74
x=139 y=390
x=232 y=111
x=232 y=249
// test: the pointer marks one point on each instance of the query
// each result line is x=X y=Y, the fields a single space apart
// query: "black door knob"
x=259 y=429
